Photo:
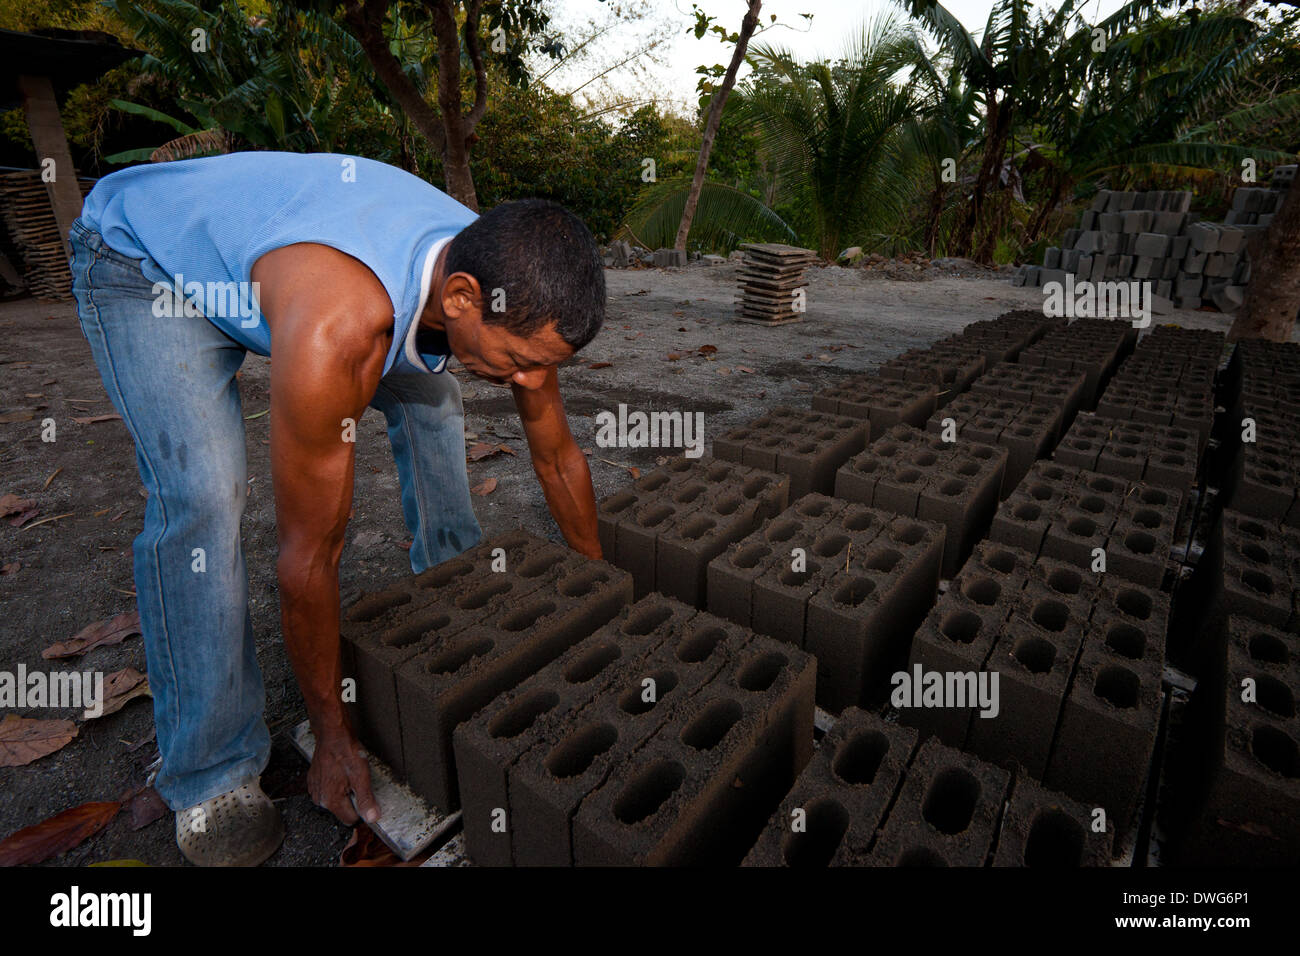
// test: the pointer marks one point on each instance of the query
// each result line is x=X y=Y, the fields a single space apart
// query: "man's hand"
x=560 y=465
x=340 y=777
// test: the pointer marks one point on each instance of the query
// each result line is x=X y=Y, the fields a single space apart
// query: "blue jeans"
x=173 y=382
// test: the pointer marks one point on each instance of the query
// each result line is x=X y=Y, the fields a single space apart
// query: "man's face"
x=493 y=352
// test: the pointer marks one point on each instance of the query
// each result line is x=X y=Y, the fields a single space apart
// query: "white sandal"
x=237 y=828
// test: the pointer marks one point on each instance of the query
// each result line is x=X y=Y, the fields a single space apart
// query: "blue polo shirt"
x=202 y=223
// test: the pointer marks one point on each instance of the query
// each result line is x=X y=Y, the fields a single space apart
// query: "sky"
x=674 y=80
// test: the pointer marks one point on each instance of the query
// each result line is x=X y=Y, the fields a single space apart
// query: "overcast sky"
x=833 y=21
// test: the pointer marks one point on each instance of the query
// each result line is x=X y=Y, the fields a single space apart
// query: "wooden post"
x=46 y=127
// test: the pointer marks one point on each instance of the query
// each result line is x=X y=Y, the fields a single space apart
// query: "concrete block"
x=1152 y=244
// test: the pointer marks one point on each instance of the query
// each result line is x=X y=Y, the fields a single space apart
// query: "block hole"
x=1268 y=649
x=798 y=579
x=644 y=620
x=1118 y=685
x=827 y=822
x=1004 y=562
x=884 y=560
x=700 y=645
x=858 y=759
x=830 y=545
x=709 y=728
x=655 y=515
x=857 y=521
x=1027 y=512
x=1274 y=696
x=783 y=529
x=372 y=605
x=728 y=505
x=1148 y=518
x=1065 y=580
x=633 y=700
x=591 y=663
x=812 y=507
x=583 y=581
x=480 y=596
x=1094 y=504
x=443 y=574
x=961 y=627
x=1139 y=542
x=698 y=527
x=1276 y=751
x=648 y=791
x=522 y=714
x=688 y=493
x=576 y=753
x=1134 y=603
x=921 y=857
x=908 y=476
x=761 y=673
x=981 y=590
x=952 y=487
x=925 y=458
x=1127 y=641
x=1055 y=840
x=1040 y=492
x=460 y=653
x=749 y=555
x=854 y=592
x=408 y=632
x=1081 y=527
x=653 y=482
x=1051 y=615
x=1257 y=581
x=950 y=800
x=755 y=486
x=1036 y=654
x=910 y=534
x=1255 y=553
x=527 y=616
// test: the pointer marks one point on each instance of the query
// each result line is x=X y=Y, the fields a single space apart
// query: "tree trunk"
x=455 y=146
x=714 y=121
x=366 y=22
x=933 y=218
x=998 y=123
x=1273 y=294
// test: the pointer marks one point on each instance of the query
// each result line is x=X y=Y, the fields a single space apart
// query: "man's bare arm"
x=559 y=463
x=327 y=315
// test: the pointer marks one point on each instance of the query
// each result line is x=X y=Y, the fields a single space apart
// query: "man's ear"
x=461 y=295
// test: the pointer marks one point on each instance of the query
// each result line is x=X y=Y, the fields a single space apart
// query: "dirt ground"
x=77 y=570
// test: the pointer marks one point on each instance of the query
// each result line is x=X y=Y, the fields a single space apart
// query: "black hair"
x=545 y=262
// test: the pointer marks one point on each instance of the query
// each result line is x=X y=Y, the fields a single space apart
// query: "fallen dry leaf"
x=634 y=472
x=707 y=349
x=24 y=739
x=9 y=418
x=594 y=365
x=673 y=356
x=47 y=520
x=54 y=474
x=745 y=368
x=146 y=807
x=59 y=834
x=724 y=371
x=112 y=631
x=100 y=418
x=12 y=504
x=485 y=487
x=11 y=568
x=120 y=688
x=483 y=450
x=682 y=329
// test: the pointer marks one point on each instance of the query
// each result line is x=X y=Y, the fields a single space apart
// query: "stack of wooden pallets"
x=771 y=283
x=30 y=221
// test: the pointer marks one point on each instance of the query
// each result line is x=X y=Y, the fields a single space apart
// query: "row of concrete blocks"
x=1108 y=200
x=845 y=582
x=1139 y=451
x=871 y=797
x=881 y=402
x=948 y=366
x=1004 y=338
x=1135 y=230
x=1036 y=385
x=1243 y=724
x=807 y=446
x=1254 y=567
x=1079 y=659
x=1027 y=431
x=1094 y=347
x=432 y=649
x=918 y=474
x=1069 y=514
x=667 y=526
x=666 y=738
x=1133 y=221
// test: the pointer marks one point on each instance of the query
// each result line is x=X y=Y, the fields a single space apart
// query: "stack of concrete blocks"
x=844 y=582
x=666 y=527
x=669 y=258
x=1168 y=380
x=1094 y=347
x=665 y=738
x=870 y=797
x=1151 y=237
x=429 y=651
x=1079 y=658
x=807 y=446
x=1265 y=473
x=882 y=402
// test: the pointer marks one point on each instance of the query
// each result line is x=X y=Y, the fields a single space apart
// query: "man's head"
x=524 y=289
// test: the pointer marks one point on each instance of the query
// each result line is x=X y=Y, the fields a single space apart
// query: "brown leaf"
x=707 y=349
x=634 y=471
x=682 y=329
x=146 y=807
x=12 y=504
x=485 y=487
x=24 y=739
x=54 y=474
x=9 y=418
x=724 y=371
x=745 y=368
x=507 y=449
x=600 y=365
x=673 y=356
x=25 y=516
x=483 y=450
x=112 y=631
x=59 y=834
x=11 y=568
x=120 y=688
x=98 y=418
